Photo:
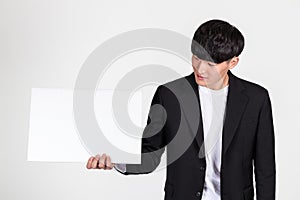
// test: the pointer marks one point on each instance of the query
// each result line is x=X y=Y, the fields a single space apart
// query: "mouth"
x=200 y=77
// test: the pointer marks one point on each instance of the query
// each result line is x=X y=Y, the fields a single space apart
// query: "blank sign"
x=53 y=136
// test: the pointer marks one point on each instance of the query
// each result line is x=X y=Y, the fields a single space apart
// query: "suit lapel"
x=198 y=134
x=235 y=105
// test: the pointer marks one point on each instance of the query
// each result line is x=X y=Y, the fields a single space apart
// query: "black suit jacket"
x=247 y=141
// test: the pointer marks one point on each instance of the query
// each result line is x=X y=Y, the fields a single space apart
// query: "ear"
x=233 y=62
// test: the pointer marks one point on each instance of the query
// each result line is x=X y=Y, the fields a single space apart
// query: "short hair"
x=217 y=41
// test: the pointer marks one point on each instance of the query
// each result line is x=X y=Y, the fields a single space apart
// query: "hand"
x=100 y=162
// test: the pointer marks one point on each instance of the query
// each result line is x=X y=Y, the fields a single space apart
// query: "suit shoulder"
x=254 y=89
x=174 y=88
x=176 y=83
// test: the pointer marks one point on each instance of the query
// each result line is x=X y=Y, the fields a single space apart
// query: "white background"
x=44 y=43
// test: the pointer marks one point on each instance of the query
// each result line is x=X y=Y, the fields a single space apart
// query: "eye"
x=211 y=64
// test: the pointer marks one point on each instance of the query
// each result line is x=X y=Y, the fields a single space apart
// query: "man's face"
x=212 y=75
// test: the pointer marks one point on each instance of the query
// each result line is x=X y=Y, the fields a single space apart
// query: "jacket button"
x=198 y=194
x=202 y=168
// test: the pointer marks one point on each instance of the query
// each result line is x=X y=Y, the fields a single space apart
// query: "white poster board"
x=53 y=136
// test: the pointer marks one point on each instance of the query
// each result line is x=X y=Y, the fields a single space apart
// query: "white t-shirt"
x=213 y=104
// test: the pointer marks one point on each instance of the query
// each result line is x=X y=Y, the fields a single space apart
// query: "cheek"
x=213 y=73
x=222 y=71
x=195 y=65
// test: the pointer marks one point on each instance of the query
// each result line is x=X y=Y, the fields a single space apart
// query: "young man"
x=231 y=117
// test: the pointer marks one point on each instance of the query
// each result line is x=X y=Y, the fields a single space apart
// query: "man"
x=233 y=120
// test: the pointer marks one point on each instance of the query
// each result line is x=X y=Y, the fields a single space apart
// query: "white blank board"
x=53 y=135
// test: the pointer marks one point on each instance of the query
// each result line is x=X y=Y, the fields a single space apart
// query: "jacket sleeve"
x=264 y=158
x=153 y=140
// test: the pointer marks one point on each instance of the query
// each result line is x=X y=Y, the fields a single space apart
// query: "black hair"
x=217 y=41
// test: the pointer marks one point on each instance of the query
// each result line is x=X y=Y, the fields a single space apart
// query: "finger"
x=95 y=162
x=108 y=163
x=89 y=163
x=101 y=164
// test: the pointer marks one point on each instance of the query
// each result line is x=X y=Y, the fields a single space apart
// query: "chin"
x=202 y=83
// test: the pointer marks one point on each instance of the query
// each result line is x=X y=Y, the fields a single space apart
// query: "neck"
x=221 y=84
